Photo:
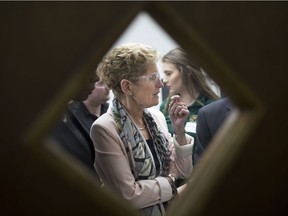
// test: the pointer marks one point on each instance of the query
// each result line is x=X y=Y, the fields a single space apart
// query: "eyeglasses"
x=152 y=77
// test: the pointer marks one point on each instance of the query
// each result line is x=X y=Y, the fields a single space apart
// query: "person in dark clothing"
x=72 y=132
x=87 y=111
x=209 y=120
x=70 y=135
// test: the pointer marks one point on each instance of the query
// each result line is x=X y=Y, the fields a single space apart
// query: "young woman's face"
x=172 y=78
x=147 y=87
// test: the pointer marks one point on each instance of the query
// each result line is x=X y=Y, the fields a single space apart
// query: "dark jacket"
x=209 y=119
x=73 y=134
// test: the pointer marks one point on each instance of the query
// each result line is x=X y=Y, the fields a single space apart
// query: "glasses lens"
x=152 y=78
x=155 y=77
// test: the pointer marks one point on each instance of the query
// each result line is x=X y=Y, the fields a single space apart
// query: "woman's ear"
x=126 y=86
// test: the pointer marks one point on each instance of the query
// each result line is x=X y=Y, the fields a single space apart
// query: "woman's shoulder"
x=217 y=105
x=105 y=119
x=205 y=99
x=105 y=124
x=156 y=113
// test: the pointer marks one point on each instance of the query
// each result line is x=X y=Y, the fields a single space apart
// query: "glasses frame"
x=154 y=77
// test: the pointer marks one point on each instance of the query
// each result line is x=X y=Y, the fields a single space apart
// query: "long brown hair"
x=192 y=75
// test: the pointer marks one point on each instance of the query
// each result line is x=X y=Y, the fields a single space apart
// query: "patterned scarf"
x=140 y=156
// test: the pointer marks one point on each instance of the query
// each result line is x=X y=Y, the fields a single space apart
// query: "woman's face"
x=147 y=87
x=172 y=78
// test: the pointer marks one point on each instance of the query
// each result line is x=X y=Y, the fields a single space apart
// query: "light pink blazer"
x=112 y=164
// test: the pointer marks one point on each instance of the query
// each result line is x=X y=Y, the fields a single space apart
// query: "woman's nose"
x=164 y=81
x=159 y=83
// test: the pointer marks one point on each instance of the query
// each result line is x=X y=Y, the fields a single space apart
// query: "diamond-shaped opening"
x=212 y=166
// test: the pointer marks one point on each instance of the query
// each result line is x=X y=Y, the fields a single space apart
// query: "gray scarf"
x=140 y=157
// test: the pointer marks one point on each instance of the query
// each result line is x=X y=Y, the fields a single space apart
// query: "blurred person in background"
x=72 y=132
x=183 y=77
x=209 y=120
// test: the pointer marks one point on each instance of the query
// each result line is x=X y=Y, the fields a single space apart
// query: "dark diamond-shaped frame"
x=234 y=131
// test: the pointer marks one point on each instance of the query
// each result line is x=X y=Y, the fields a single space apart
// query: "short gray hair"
x=126 y=61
